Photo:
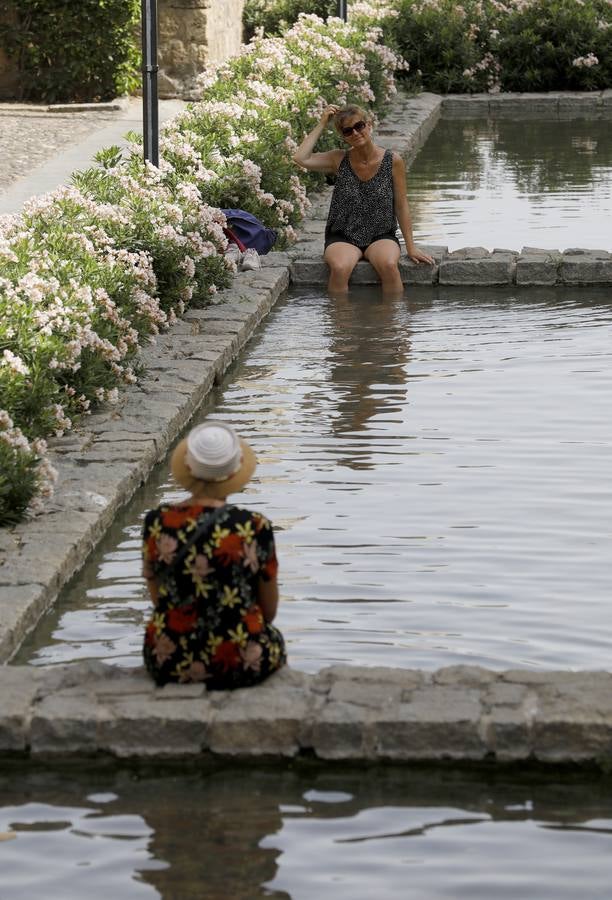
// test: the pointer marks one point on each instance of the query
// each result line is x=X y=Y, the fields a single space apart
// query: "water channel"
x=514 y=183
x=304 y=832
x=438 y=472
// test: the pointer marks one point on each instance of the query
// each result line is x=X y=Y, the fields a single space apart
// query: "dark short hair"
x=347 y=112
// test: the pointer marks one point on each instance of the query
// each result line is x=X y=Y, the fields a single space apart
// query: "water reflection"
x=368 y=352
x=514 y=183
x=302 y=832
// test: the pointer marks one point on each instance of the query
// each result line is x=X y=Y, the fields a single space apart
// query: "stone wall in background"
x=193 y=33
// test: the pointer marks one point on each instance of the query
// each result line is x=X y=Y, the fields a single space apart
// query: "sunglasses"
x=357 y=128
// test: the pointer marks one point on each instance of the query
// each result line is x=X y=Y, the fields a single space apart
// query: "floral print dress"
x=207 y=624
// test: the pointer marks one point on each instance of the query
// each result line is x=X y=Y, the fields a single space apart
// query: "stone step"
x=473 y=266
x=459 y=713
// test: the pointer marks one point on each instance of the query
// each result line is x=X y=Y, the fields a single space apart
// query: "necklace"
x=364 y=163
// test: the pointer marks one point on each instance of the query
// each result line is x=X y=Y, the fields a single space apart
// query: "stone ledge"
x=561 y=104
x=461 y=713
x=473 y=266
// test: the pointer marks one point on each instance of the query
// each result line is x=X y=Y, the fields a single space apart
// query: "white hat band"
x=213 y=452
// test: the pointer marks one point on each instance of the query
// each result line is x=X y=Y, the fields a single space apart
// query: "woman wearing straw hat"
x=211 y=571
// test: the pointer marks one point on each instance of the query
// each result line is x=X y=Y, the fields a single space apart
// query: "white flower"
x=14 y=363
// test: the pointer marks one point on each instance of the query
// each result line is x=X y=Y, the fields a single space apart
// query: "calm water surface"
x=514 y=183
x=303 y=833
x=438 y=470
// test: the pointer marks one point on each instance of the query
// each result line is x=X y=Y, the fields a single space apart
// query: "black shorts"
x=336 y=237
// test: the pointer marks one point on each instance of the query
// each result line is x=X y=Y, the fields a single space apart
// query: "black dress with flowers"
x=207 y=625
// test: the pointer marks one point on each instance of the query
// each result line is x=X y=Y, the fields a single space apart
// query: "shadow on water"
x=304 y=831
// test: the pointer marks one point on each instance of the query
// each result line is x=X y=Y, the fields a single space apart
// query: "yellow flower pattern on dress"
x=246 y=532
x=238 y=635
x=213 y=642
x=230 y=596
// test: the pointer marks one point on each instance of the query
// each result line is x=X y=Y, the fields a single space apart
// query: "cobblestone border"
x=462 y=713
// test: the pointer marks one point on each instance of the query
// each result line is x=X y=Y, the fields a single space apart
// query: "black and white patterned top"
x=362 y=211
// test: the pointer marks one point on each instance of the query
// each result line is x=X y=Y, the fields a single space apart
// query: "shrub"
x=24 y=471
x=273 y=16
x=86 y=50
x=512 y=45
x=446 y=45
x=549 y=45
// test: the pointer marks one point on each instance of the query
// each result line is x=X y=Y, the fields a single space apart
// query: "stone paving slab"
x=460 y=713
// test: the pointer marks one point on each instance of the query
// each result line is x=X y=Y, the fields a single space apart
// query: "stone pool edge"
x=459 y=714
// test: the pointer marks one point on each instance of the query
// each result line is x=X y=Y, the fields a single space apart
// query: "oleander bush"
x=66 y=50
x=92 y=271
x=508 y=45
x=446 y=44
x=553 y=45
x=480 y=45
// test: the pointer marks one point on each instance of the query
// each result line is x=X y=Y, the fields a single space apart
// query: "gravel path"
x=29 y=139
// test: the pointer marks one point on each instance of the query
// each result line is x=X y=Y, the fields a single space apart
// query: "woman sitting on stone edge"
x=368 y=201
x=211 y=571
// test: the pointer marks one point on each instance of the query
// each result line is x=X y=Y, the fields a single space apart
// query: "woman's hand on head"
x=328 y=113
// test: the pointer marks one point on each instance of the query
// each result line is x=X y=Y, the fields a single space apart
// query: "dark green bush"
x=442 y=42
x=75 y=50
x=489 y=45
x=545 y=46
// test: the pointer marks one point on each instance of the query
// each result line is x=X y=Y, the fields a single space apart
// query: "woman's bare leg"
x=384 y=256
x=341 y=259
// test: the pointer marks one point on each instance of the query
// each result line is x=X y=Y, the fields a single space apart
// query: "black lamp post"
x=150 y=112
x=342 y=9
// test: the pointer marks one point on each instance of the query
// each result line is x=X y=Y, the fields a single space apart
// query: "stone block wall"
x=193 y=33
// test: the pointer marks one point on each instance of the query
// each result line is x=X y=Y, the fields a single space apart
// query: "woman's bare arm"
x=152 y=588
x=305 y=156
x=267 y=598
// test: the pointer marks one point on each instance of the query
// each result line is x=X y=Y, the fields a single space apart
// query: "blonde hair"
x=347 y=112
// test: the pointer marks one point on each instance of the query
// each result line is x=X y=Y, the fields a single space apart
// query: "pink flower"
x=250 y=557
x=163 y=649
x=166 y=546
x=251 y=656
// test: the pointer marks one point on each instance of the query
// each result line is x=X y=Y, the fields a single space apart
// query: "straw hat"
x=213 y=461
